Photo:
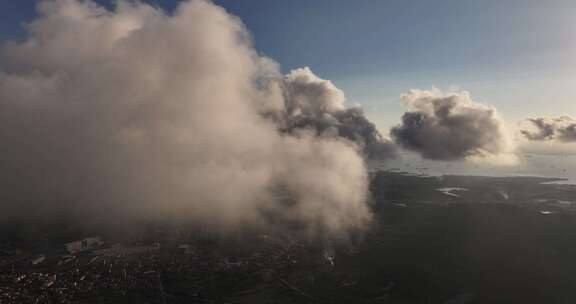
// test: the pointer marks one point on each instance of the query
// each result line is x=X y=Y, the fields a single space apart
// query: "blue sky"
x=519 y=55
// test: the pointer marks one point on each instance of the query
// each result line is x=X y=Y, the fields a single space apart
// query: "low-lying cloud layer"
x=450 y=126
x=561 y=129
x=136 y=113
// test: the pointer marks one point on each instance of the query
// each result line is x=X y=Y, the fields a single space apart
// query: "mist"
x=135 y=113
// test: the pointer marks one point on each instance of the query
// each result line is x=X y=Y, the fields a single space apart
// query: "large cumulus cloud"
x=315 y=104
x=133 y=112
x=450 y=126
x=561 y=129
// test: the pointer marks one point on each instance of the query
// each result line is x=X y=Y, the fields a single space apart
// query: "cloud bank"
x=560 y=129
x=135 y=113
x=451 y=126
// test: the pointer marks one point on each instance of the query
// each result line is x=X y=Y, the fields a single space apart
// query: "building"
x=86 y=244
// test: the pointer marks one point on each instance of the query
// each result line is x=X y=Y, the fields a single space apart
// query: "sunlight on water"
x=553 y=166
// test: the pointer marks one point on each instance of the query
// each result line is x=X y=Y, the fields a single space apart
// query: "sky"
x=518 y=55
x=134 y=107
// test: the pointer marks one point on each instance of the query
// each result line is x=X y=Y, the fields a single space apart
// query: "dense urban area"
x=449 y=239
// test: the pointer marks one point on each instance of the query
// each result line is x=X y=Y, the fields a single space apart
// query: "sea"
x=537 y=165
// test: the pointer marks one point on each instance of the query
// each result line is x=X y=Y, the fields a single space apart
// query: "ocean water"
x=550 y=166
